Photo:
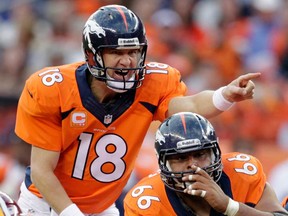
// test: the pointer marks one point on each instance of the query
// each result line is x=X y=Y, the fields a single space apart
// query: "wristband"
x=71 y=210
x=219 y=101
x=232 y=208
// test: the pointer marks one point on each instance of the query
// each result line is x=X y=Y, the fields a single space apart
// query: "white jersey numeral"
x=143 y=202
x=248 y=168
x=104 y=157
x=49 y=77
x=153 y=65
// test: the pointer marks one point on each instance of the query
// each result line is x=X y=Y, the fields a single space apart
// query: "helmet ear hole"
x=98 y=58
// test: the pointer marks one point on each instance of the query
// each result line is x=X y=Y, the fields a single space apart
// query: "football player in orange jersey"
x=195 y=179
x=86 y=120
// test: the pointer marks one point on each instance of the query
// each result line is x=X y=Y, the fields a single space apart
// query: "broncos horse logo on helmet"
x=116 y=27
x=91 y=27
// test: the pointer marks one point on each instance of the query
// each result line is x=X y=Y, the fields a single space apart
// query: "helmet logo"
x=188 y=143
x=92 y=27
x=159 y=137
x=129 y=42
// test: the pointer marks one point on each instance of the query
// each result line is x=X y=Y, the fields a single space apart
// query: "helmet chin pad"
x=120 y=86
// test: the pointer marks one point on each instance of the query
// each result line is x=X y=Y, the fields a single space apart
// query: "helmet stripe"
x=123 y=16
x=183 y=122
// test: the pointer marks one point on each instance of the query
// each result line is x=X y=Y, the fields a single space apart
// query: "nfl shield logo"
x=107 y=119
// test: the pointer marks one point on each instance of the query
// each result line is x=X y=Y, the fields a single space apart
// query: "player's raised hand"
x=241 y=88
x=202 y=185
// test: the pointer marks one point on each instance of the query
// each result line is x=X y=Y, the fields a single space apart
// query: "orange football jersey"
x=242 y=179
x=98 y=142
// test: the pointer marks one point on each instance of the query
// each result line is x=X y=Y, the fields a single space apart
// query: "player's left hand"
x=204 y=186
x=241 y=88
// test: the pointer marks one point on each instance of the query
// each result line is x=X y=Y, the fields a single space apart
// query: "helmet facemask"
x=101 y=72
x=173 y=179
x=186 y=133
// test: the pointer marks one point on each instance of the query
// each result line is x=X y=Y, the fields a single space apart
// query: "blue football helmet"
x=116 y=27
x=183 y=133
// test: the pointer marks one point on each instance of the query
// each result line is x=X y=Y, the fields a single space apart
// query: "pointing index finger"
x=244 y=79
x=250 y=76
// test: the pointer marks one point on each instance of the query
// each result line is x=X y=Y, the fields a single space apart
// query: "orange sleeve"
x=246 y=175
x=37 y=113
x=40 y=105
x=173 y=86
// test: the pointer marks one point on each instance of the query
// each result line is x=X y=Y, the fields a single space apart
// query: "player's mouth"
x=122 y=74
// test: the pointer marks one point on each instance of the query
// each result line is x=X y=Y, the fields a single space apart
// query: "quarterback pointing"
x=86 y=120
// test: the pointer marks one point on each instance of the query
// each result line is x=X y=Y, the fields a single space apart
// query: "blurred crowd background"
x=211 y=42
